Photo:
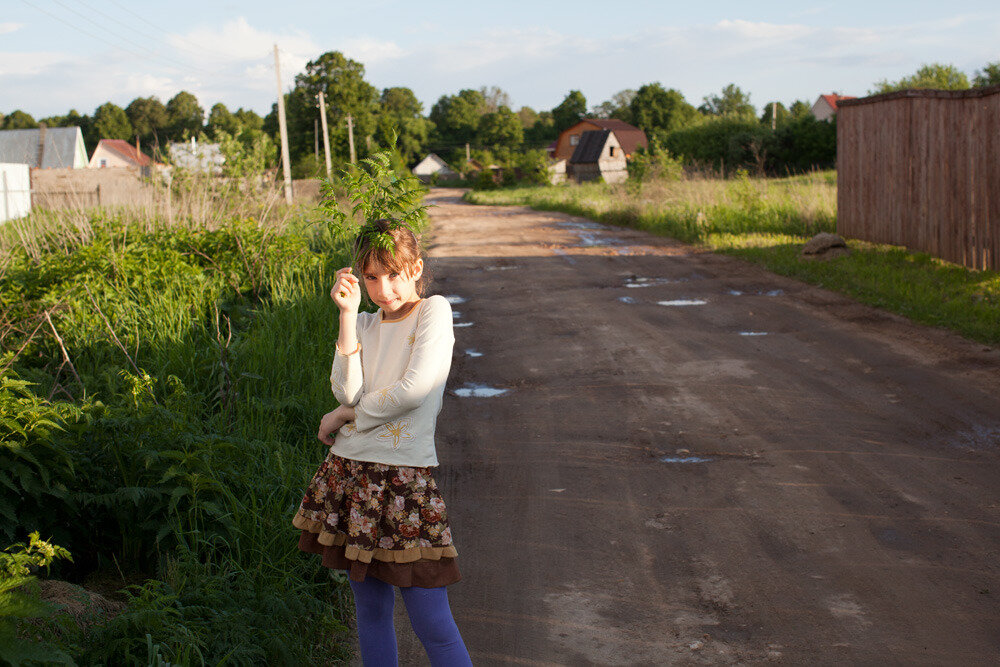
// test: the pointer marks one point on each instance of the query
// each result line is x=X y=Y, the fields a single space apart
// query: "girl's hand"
x=346 y=292
x=332 y=422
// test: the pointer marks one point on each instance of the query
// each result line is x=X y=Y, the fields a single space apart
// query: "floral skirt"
x=375 y=519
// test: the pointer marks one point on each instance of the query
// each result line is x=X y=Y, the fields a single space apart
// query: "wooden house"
x=433 y=165
x=825 y=107
x=598 y=154
x=630 y=137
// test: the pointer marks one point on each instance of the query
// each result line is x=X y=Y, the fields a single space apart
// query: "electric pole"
x=774 y=116
x=326 y=134
x=350 y=136
x=286 y=167
x=468 y=155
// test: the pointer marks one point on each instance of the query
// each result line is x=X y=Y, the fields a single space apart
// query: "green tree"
x=248 y=119
x=527 y=116
x=542 y=132
x=149 y=119
x=400 y=112
x=800 y=109
x=456 y=117
x=342 y=81
x=732 y=101
x=570 y=110
x=19 y=120
x=619 y=106
x=494 y=98
x=934 y=75
x=185 y=117
x=783 y=115
x=111 y=122
x=988 y=76
x=655 y=108
x=221 y=119
x=502 y=128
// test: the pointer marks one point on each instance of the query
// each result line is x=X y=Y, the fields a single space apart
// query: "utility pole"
x=468 y=155
x=774 y=116
x=316 y=137
x=350 y=136
x=326 y=134
x=286 y=167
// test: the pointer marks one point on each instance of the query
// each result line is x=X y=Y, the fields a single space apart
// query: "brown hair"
x=406 y=253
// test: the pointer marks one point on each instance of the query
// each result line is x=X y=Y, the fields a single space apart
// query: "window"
x=611 y=151
x=574 y=139
x=104 y=163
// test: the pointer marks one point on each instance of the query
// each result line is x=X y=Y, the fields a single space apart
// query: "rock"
x=825 y=246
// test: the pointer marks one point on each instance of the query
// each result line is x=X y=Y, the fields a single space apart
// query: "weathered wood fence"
x=921 y=168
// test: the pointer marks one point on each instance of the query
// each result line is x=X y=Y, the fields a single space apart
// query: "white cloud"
x=756 y=31
x=27 y=63
x=371 y=51
x=10 y=27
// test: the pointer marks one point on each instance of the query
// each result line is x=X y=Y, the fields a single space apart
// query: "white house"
x=118 y=153
x=825 y=107
x=431 y=165
x=45 y=147
x=197 y=157
x=598 y=155
x=15 y=191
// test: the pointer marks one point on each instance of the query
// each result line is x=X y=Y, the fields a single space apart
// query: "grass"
x=766 y=221
x=176 y=368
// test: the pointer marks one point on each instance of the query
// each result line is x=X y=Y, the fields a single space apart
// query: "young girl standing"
x=373 y=507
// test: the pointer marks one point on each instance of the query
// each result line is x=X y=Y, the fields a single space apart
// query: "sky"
x=61 y=54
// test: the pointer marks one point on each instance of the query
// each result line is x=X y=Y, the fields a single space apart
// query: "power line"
x=191 y=45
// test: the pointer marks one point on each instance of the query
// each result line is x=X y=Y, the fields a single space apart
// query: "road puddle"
x=565 y=255
x=626 y=299
x=641 y=281
x=773 y=292
x=683 y=302
x=684 y=459
x=500 y=268
x=753 y=333
x=454 y=298
x=473 y=353
x=477 y=390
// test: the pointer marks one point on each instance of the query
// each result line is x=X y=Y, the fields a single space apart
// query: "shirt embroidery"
x=385 y=396
x=348 y=428
x=411 y=339
x=396 y=431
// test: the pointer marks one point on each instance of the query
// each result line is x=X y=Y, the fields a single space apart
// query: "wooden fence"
x=921 y=169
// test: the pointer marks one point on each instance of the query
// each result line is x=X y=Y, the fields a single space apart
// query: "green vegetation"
x=160 y=384
x=766 y=221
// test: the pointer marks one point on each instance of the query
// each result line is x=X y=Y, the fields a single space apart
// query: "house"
x=598 y=155
x=197 y=157
x=45 y=147
x=432 y=166
x=630 y=137
x=557 y=172
x=118 y=153
x=15 y=191
x=825 y=107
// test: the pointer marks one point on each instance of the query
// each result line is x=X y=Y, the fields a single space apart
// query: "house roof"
x=432 y=164
x=833 y=99
x=126 y=150
x=590 y=147
x=629 y=136
x=63 y=147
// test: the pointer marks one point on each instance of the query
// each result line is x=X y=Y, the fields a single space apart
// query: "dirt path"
x=775 y=474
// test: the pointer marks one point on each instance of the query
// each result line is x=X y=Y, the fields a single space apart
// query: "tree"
x=800 y=109
x=655 y=108
x=149 y=119
x=933 y=75
x=494 y=98
x=619 y=106
x=248 y=119
x=783 y=115
x=400 y=112
x=988 y=76
x=456 y=117
x=542 y=131
x=18 y=120
x=221 y=119
x=570 y=110
x=731 y=102
x=185 y=116
x=111 y=122
x=501 y=129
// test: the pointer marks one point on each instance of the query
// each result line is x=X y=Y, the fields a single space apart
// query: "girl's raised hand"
x=346 y=292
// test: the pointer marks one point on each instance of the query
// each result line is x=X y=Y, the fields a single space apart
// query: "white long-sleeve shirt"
x=395 y=382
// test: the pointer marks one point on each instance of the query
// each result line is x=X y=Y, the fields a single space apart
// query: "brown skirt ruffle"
x=422 y=573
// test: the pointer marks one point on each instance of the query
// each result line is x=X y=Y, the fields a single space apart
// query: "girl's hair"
x=401 y=260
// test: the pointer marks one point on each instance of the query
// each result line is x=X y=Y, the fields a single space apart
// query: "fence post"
x=98 y=195
x=6 y=199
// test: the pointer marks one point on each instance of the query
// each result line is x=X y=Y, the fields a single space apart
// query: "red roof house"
x=630 y=138
x=825 y=107
x=118 y=153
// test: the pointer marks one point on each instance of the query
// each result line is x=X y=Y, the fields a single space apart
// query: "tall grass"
x=767 y=221
x=162 y=378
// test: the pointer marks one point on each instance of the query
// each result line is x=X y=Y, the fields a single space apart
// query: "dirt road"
x=698 y=462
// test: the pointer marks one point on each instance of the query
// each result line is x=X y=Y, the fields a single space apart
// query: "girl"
x=373 y=507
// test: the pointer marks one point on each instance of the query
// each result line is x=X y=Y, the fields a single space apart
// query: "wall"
x=72 y=188
x=15 y=191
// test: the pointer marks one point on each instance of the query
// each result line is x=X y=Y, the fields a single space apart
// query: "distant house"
x=630 y=137
x=118 y=153
x=598 y=154
x=557 y=172
x=825 y=107
x=197 y=157
x=45 y=147
x=432 y=165
x=15 y=191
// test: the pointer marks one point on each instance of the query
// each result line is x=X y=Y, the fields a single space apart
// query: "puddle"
x=562 y=253
x=500 y=268
x=477 y=390
x=454 y=298
x=591 y=240
x=978 y=438
x=639 y=281
x=626 y=299
x=683 y=302
x=581 y=224
x=753 y=333
x=473 y=353
x=735 y=292
x=773 y=292
x=684 y=459
x=462 y=324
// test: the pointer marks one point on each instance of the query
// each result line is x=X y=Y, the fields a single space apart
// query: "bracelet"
x=356 y=350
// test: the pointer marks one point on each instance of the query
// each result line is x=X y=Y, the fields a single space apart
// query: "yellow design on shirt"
x=411 y=339
x=396 y=431
x=348 y=428
x=385 y=396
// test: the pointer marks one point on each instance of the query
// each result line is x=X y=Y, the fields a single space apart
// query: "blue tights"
x=430 y=617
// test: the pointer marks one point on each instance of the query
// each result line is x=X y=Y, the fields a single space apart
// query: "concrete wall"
x=15 y=191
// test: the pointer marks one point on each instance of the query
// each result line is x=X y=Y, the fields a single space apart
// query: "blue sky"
x=62 y=54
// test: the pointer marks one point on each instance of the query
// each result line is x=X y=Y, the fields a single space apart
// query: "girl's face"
x=391 y=291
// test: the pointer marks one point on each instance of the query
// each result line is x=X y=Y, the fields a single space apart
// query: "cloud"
x=371 y=51
x=237 y=40
x=28 y=63
x=10 y=27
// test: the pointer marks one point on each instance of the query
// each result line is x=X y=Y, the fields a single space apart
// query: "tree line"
x=724 y=131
